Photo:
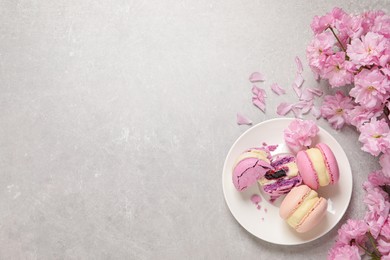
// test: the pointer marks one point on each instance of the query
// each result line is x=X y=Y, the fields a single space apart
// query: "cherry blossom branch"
x=338 y=40
x=376 y=254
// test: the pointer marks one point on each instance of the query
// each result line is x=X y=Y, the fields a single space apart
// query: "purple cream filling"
x=284 y=160
x=282 y=186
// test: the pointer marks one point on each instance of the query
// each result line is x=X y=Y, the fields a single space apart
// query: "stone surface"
x=116 y=117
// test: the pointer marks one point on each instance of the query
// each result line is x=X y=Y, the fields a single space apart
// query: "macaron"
x=318 y=166
x=250 y=166
x=282 y=178
x=303 y=209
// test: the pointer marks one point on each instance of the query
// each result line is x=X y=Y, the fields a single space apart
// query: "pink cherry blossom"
x=369 y=19
x=353 y=230
x=338 y=71
x=371 y=88
x=300 y=133
x=318 y=51
x=375 y=136
x=382 y=25
x=335 y=109
x=320 y=23
x=376 y=179
x=359 y=115
x=343 y=252
x=384 y=238
x=369 y=50
x=350 y=26
x=378 y=206
x=384 y=161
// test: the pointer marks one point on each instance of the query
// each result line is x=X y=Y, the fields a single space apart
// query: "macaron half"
x=250 y=166
x=303 y=209
x=283 y=178
x=318 y=166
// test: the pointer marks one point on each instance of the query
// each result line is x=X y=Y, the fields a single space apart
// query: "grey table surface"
x=116 y=117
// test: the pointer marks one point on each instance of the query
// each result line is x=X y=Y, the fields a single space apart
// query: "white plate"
x=265 y=222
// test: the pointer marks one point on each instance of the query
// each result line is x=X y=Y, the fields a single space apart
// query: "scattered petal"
x=301 y=108
x=297 y=90
x=283 y=108
x=316 y=112
x=298 y=80
x=277 y=89
x=256 y=77
x=243 y=120
x=258 y=98
x=259 y=104
x=306 y=95
x=316 y=91
x=299 y=64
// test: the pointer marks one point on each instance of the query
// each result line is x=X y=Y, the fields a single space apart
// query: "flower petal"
x=306 y=95
x=277 y=89
x=243 y=120
x=299 y=64
x=316 y=112
x=256 y=77
x=298 y=80
x=316 y=91
x=297 y=90
x=283 y=108
x=260 y=104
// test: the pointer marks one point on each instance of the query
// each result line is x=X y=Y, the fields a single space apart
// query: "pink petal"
x=256 y=77
x=316 y=112
x=258 y=103
x=301 y=108
x=297 y=112
x=297 y=90
x=255 y=90
x=242 y=120
x=277 y=89
x=283 y=108
x=307 y=106
x=306 y=95
x=316 y=91
x=299 y=64
x=298 y=80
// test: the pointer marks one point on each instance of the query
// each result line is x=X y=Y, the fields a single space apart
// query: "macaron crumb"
x=256 y=199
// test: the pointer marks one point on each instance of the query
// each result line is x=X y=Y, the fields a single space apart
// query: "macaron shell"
x=306 y=170
x=292 y=200
x=248 y=171
x=314 y=216
x=330 y=162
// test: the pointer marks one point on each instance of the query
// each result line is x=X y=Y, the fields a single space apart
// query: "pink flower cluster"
x=300 y=133
x=370 y=235
x=352 y=52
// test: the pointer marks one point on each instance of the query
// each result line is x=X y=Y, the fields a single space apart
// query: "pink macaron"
x=303 y=209
x=249 y=167
x=318 y=166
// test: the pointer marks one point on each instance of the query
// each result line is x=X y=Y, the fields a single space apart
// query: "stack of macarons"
x=299 y=177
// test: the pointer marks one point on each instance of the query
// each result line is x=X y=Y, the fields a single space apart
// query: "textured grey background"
x=116 y=117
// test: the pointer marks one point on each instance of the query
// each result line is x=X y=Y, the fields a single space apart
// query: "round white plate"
x=264 y=221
